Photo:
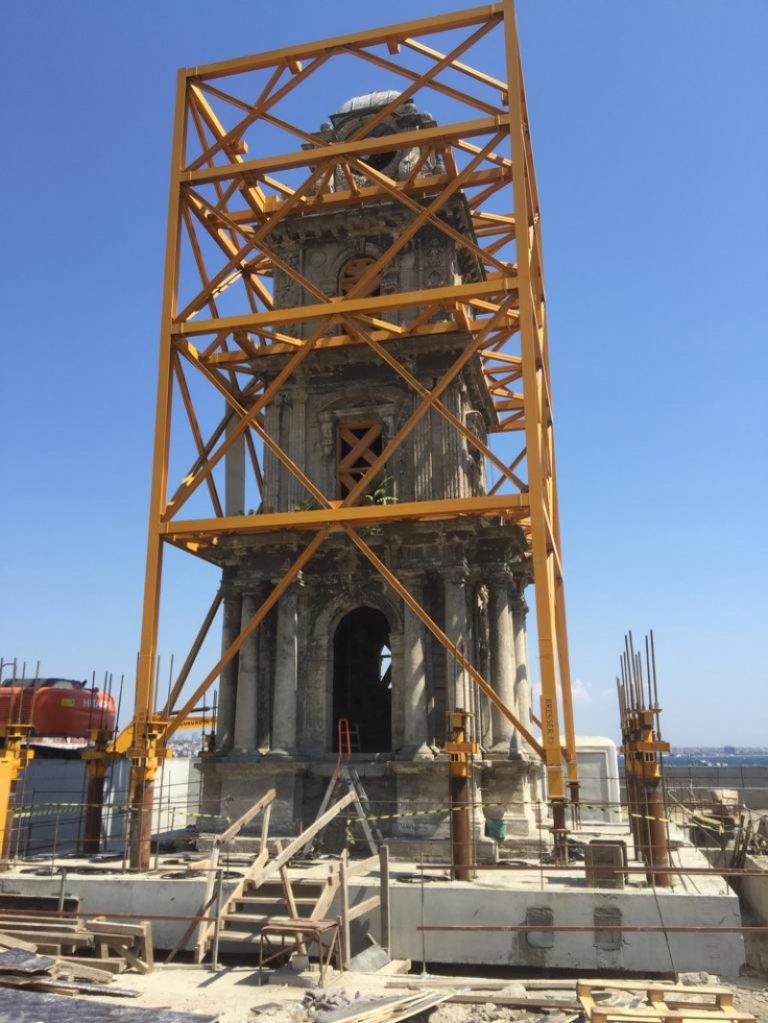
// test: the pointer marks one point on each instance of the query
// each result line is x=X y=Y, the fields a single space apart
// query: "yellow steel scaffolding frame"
x=226 y=195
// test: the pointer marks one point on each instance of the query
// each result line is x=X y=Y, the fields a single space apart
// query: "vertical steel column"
x=141 y=783
x=538 y=424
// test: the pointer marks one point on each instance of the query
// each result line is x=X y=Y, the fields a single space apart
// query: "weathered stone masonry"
x=339 y=643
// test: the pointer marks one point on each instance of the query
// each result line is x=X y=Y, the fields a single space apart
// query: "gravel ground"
x=233 y=994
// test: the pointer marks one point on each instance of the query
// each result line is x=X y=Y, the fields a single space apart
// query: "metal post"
x=62 y=885
x=386 y=937
x=217 y=923
x=346 y=951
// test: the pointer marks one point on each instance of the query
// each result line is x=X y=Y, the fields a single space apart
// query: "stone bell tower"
x=340 y=645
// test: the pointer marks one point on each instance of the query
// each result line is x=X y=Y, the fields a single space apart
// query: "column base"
x=239 y=782
x=416 y=752
x=279 y=753
x=509 y=796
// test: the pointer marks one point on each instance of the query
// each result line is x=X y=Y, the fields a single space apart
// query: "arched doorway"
x=362 y=679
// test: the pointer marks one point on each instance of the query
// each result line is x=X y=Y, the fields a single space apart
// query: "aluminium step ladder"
x=347 y=775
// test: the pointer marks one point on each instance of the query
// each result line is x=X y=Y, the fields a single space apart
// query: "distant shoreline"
x=715 y=759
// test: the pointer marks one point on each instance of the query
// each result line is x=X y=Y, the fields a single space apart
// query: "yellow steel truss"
x=226 y=197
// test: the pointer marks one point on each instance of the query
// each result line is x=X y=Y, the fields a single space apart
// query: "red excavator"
x=60 y=708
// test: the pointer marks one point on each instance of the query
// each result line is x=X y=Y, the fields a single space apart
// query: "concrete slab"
x=498 y=901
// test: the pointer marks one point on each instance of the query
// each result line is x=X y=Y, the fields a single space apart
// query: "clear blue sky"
x=649 y=133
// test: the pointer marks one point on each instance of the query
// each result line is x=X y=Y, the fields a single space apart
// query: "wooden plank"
x=510 y=1001
x=295 y=844
x=357 y=867
x=361 y=908
x=39 y=923
x=394 y=966
x=118 y=945
x=55 y=938
x=647 y=985
x=479 y=983
x=616 y=1014
x=77 y=968
x=247 y=817
x=301 y=948
x=12 y=941
x=388 y=1010
x=115 y=927
x=109 y=965
x=328 y=894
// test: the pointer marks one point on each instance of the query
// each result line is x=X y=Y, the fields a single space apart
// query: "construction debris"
x=32 y=1007
x=339 y=1007
x=20 y=968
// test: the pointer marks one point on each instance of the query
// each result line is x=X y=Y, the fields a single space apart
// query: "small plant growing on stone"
x=382 y=490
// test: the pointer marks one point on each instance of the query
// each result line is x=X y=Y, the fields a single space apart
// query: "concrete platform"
x=499 y=898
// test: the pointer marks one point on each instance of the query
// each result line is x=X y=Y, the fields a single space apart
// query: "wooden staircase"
x=245 y=915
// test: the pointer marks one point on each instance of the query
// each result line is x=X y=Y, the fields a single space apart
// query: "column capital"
x=517 y=599
x=457 y=575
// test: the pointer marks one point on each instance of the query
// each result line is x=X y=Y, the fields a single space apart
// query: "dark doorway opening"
x=362 y=680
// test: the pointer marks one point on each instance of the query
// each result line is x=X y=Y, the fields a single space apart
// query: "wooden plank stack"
x=107 y=944
x=658 y=1003
x=22 y=967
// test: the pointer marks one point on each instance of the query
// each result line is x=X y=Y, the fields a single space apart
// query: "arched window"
x=353 y=271
x=362 y=680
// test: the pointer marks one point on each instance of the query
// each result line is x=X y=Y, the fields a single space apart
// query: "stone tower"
x=340 y=644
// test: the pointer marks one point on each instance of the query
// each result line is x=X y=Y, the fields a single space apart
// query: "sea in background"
x=717 y=759
x=714 y=759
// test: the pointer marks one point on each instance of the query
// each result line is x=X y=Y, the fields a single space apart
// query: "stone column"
x=522 y=681
x=225 y=711
x=245 y=720
x=286 y=672
x=414 y=681
x=505 y=736
x=456 y=681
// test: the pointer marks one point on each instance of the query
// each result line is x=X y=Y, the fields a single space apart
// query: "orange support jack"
x=97 y=759
x=14 y=757
x=145 y=755
x=460 y=750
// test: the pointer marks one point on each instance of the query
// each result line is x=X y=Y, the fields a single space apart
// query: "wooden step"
x=270 y=900
x=239 y=937
x=299 y=884
x=242 y=920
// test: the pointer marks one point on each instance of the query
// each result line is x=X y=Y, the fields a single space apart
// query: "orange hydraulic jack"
x=460 y=750
x=97 y=759
x=14 y=757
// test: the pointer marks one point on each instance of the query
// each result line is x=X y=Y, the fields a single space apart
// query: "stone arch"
x=321 y=633
x=362 y=679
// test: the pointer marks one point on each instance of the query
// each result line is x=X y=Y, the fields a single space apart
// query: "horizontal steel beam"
x=347 y=149
x=425 y=332
x=337 y=306
x=508 y=505
x=374 y=194
x=386 y=34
